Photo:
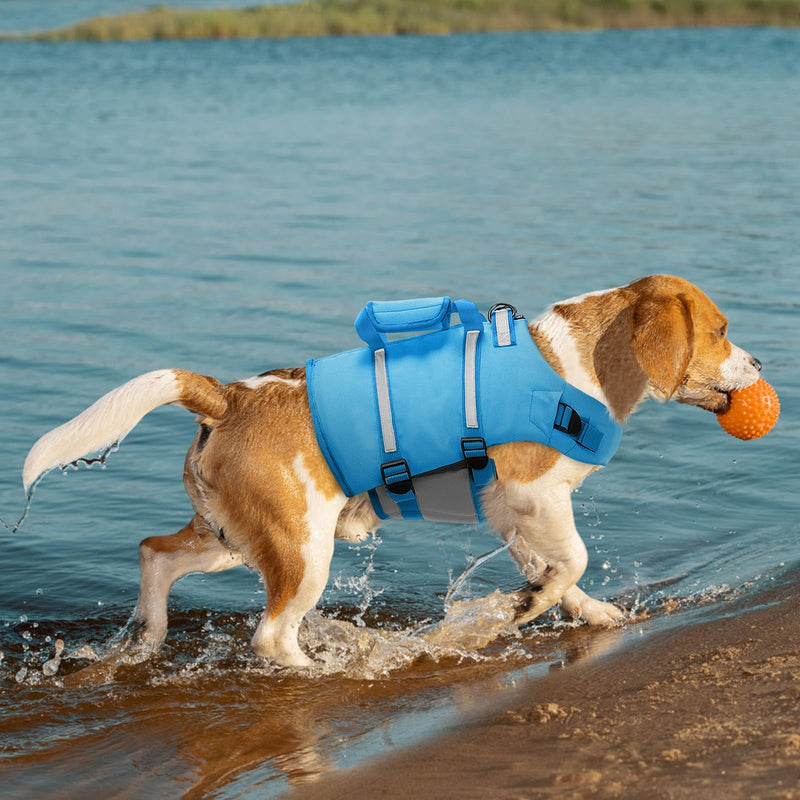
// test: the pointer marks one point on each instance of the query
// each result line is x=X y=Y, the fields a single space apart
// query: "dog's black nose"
x=756 y=363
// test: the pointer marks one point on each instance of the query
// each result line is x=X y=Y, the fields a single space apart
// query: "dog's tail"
x=113 y=417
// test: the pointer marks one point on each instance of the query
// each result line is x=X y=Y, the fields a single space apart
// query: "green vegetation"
x=385 y=17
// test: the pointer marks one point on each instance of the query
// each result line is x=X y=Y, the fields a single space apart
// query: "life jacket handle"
x=381 y=317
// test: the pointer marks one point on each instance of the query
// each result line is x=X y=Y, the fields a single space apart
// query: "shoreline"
x=694 y=711
x=435 y=17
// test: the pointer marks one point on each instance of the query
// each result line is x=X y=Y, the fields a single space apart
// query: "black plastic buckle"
x=399 y=480
x=574 y=424
x=474 y=450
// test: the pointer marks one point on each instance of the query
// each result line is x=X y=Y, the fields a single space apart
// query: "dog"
x=264 y=496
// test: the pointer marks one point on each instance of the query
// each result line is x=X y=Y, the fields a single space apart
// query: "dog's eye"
x=722 y=330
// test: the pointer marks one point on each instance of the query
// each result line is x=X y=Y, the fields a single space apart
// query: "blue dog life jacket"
x=410 y=420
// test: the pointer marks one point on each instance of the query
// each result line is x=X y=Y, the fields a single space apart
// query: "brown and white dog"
x=263 y=494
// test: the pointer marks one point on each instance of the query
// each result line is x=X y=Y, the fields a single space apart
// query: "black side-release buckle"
x=396 y=477
x=474 y=450
x=568 y=420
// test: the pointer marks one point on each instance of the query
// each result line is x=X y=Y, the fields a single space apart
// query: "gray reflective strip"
x=384 y=406
x=470 y=398
x=503 y=331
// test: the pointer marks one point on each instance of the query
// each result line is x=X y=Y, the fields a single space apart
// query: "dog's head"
x=680 y=340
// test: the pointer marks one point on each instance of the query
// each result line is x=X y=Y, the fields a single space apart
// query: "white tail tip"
x=108 y=421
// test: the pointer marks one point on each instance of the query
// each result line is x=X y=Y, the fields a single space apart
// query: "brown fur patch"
x=522 y=461
x=194 y=538
x=201 y=394
x=663 y=339
x=250 y=485
x=287 y=373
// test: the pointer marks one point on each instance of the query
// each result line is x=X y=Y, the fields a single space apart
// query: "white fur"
x=557 y=331
x=260 y=380
x=738 y=370
x=581 y=297
x=108 y=421
x=548 y=548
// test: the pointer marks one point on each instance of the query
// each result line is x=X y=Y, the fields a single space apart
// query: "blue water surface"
x=227 y=207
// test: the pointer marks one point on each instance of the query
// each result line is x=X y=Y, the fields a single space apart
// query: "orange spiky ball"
x=753 y=411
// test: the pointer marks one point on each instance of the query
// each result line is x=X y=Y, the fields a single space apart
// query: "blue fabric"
x=518 y=396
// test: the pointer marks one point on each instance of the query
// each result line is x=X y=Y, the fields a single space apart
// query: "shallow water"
x=227 y=207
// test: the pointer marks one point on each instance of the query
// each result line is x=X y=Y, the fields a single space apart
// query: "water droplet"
x=637 y=563
x=23 y=617
x=20 y=676
x=48 y=639
x=39 y=591
x=606 y=564
x=26 y=635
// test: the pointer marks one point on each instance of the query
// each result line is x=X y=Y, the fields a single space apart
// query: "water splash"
x=339 y=646
x=361 y=585
x=50 y=668
x=28 y=500
x=89 y=462
x=471 y=567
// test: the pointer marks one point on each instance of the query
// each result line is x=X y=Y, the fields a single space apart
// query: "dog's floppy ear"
x=663 y=339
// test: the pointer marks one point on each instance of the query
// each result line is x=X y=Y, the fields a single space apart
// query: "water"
x=227 y=207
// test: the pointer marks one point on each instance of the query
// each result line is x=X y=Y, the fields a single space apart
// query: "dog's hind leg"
x=162 y=561
x=295 y=562
x=295 y=581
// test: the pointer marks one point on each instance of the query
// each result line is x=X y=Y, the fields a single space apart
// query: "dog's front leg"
x=548 y=548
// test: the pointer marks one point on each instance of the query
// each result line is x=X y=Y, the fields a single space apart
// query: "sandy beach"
x=703 y=712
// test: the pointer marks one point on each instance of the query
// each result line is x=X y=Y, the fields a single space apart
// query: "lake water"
x=228 y=207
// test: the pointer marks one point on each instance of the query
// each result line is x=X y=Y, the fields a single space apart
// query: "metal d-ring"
x=497 y=306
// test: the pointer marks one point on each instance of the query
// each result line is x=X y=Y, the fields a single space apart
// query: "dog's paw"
x=579 y=605
x=598 y=612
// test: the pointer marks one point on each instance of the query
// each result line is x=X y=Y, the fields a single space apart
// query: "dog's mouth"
x=708 y=397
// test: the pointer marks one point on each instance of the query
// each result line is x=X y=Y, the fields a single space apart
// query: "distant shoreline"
x=395 y=17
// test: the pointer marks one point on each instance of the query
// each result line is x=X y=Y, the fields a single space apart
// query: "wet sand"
x=708 y=711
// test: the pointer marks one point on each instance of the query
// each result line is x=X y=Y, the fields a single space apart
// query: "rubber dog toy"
x=753 y=411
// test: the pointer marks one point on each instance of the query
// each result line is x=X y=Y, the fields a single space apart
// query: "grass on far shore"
x=386 y=17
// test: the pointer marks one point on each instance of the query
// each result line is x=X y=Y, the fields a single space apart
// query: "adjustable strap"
x=395 y=474
x=397 y=480
x=481 y=468
x=570 y=422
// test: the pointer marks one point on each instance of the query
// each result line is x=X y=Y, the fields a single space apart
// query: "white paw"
x=598 y=612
